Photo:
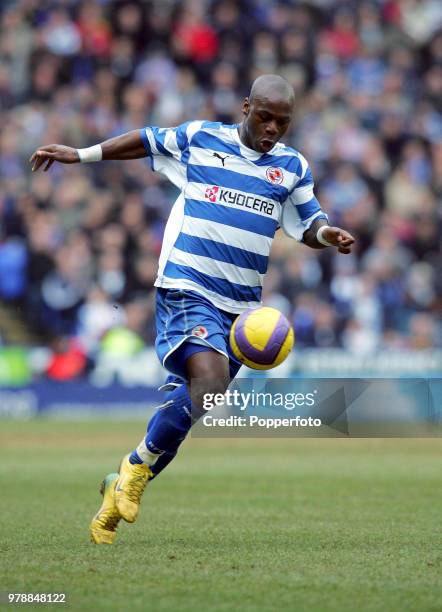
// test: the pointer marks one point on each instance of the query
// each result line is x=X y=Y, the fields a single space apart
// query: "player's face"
x=265 y=122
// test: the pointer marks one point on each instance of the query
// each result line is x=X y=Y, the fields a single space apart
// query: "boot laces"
x=136 y=487
x=108 y=520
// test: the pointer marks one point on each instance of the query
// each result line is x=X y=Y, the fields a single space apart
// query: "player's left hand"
x=339 y=238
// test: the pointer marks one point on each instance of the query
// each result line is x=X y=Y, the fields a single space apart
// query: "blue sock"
x=134 y=457
x=168 y=427
x=164 y=460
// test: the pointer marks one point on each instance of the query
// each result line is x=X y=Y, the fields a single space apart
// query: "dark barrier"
x=77 y=400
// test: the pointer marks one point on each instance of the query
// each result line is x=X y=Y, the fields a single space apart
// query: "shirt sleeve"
x=301 y=207
x=169 y=142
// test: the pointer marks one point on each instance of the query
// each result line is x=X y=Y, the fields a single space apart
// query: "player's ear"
x=246 y=107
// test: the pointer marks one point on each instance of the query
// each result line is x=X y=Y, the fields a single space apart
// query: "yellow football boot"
x=129 y=488
x=103 y=527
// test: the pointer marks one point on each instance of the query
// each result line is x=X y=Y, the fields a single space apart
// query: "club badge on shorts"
x=199 y=331
x=275 y=175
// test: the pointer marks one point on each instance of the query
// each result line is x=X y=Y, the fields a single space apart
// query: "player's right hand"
x=54 y=152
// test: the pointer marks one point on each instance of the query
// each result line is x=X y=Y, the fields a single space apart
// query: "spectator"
x=80 y=245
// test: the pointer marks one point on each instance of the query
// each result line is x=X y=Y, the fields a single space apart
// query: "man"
x=238 y=185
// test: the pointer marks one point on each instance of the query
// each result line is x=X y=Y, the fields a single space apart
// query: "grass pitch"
x=251 y=525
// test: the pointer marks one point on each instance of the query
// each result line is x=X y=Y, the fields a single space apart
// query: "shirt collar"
x=246 y=151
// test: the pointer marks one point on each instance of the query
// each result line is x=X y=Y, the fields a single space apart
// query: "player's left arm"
x=309 y=223
x=334 y=236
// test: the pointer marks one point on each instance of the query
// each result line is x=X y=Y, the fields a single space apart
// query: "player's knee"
x=208 y=374
x=202 y=388
x=209 y=379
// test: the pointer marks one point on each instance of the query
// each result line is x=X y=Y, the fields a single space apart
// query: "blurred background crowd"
x=79 y=245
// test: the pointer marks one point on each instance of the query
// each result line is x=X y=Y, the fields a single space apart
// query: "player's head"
x=267 y=112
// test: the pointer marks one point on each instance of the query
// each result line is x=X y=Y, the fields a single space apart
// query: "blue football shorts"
x=187 y=323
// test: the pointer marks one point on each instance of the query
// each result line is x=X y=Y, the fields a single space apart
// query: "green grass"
x=250 y=525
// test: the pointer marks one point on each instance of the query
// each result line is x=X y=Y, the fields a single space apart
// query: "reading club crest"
x=275 y=175
x=200 y=331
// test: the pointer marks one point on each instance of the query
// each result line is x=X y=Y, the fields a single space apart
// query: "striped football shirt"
x=233 y=199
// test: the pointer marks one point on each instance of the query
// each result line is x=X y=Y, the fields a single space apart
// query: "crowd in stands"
x=79 y=244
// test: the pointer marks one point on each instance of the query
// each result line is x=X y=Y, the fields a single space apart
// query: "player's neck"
x=243 y=136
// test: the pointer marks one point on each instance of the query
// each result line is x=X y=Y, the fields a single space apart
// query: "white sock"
x=145 y=454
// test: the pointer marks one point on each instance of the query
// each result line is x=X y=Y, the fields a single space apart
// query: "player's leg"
x=166 y=431
x=207 y=372
x=183 y=319
x=165 y=458
x=181 y=356
x=179 y=317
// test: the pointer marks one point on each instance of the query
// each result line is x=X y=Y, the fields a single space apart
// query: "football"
x=261 y=338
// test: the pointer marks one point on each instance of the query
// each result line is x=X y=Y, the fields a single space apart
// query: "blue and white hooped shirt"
x=233 y=199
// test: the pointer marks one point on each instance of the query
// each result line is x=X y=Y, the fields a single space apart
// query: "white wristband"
x=90 y=154
x=319 y=237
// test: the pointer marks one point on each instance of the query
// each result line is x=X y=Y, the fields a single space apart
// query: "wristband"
x=90 y=154
x=319 y=237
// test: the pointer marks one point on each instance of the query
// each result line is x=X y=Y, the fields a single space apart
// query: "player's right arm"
x=126 y=146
